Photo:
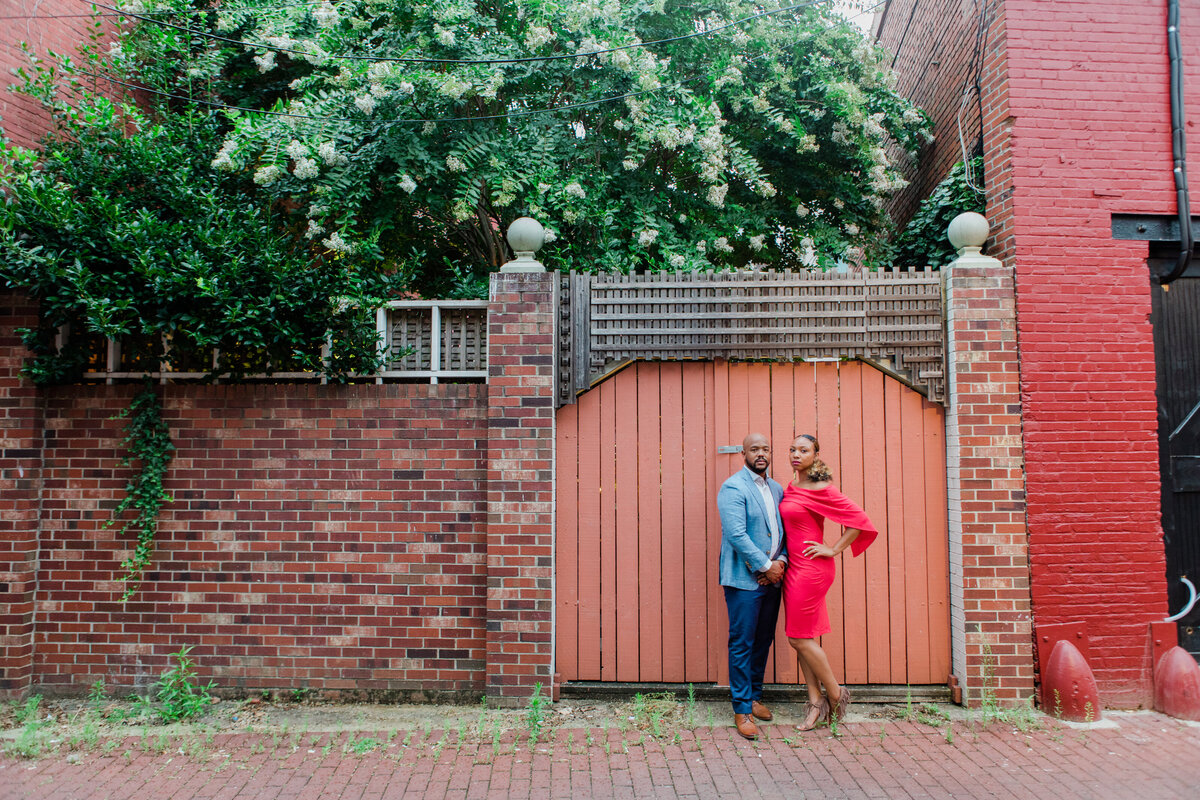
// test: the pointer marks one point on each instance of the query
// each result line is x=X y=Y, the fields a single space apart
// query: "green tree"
x=645 y=134
x=120 y=227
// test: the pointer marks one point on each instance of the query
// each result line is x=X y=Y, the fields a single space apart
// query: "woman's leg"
x=817 y=671
x=816 y=707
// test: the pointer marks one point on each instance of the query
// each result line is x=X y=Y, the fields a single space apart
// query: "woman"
x=807 y=502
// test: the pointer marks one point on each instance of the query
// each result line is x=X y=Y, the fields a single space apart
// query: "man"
x=753 y=557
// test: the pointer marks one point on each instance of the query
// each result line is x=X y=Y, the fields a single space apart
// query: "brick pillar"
x=520 y=522
x=991 y=626
x=20 y=487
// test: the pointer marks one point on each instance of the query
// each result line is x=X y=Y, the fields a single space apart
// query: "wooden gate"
x=638 y=534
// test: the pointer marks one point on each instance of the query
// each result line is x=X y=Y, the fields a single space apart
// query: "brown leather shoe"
x=761 y=711
x=744 y=723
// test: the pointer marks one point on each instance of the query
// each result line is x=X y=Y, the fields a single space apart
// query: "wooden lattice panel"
x=890 y=318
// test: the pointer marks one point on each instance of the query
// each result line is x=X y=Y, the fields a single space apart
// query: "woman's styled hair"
x=819 y=471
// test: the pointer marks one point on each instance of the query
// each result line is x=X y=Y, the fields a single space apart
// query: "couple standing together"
x=773 y=550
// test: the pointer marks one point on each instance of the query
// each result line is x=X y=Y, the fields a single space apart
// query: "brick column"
x=520 y=522
x=991 y=626
x=20 y=487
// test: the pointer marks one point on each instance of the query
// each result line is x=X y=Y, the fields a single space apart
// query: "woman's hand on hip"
x=818 y=550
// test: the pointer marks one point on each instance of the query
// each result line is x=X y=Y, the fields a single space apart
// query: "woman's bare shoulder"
x=811 y=486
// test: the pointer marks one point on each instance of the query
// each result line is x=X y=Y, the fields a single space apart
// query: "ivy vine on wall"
x=148 y=443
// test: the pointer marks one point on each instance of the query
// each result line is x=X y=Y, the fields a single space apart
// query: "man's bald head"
x=756 y=449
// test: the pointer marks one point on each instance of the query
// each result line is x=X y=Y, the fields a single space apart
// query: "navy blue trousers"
x=752 y=616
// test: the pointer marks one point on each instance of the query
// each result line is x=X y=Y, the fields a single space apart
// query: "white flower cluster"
x=337 y=244
x=712 y=145
x=379 y=71
x=224 y=158
x=377 y=90
x=807 y=144
x=808 y=252
x=854 y=255
x=575 y=190
x=647 y=237
x=408 y=184
x=326 y=15
x=802 y=211
x=461 y=210
x=732 y=76
x=492 y=87
x=329 y=154
x=912 y=116
x=676 y=260
x=841 y=133
x=267 y=175
x=759 y=103
x=873 y=126
x=428 y=128
x=306 y=168
x=722 y=245
x=550 y=236
x=296 y=149
x=405 y=88
x=537 y=36
x=314 y=229
x=446 y=37
x=672 y=137
x=265 y=62
x=454 y=87
x=455 y=164
x=757 y=242
x=716 y=194
x=630 y=164
x=365 y=103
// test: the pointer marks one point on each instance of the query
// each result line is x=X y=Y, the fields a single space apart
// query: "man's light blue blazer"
x=745 y=535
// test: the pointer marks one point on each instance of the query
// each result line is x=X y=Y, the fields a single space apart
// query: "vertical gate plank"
x=874 y=501
x=915 y=561
x=852 y=483
x=649 y=523
x=783 y=404
x=674 y=541
x=827 y=433
x=608 y=527
x=628 y=598
x=895 y=543
x=566 y=557
x=937 y=542
x=589 y=528
x=718 y=643
x=758 y=420
x=694 y=518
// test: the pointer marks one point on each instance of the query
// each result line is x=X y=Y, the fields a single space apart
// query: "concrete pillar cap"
x=525 y=236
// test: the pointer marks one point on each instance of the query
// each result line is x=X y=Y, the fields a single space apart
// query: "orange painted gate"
x=638 y=534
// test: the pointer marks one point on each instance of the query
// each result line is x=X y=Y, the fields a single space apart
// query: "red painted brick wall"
x=1077 y=128
x=58 y=25
x=330 y=537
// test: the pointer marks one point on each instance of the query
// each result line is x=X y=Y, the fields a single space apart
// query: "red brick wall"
x=520 y=508
x=1077 y=128
x=329 y=537
x=20 y=480
x=58 y=25
x=1089 y=97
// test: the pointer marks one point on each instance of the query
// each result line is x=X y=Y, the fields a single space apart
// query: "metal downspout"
x=1178 y=146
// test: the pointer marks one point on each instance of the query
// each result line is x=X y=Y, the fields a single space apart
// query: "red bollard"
x=1177 y=685
x=1068 y=687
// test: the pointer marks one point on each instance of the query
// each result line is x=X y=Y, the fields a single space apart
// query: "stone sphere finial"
x=968 y=231
x=525 y=236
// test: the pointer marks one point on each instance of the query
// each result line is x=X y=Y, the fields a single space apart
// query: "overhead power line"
x=417 y=60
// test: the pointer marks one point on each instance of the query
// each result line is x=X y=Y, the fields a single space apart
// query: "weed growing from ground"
x=535 y=714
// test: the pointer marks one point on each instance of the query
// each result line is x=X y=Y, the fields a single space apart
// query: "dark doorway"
x=1176 y=318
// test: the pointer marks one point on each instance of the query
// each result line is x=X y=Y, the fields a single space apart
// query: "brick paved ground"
x=1144 y=756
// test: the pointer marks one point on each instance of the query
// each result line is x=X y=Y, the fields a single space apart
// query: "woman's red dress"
x=807 y=580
